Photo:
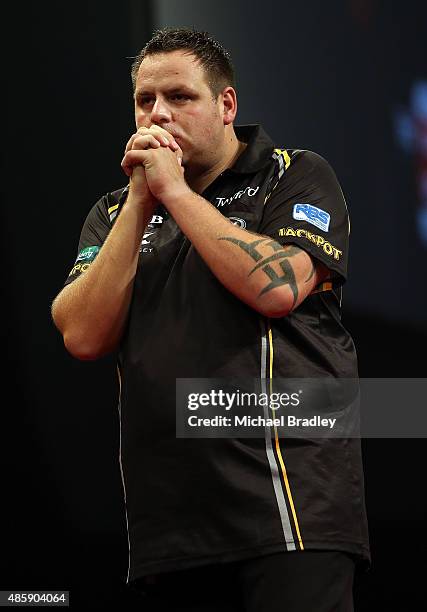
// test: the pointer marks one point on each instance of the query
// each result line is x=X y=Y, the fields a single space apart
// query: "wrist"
x=141 y=209
x=141 y=202
x=174 y=199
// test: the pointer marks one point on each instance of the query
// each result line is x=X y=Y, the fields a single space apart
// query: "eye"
x=180 y=97
x=144 y=100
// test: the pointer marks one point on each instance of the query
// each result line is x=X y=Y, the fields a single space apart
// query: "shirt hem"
x=360 y=551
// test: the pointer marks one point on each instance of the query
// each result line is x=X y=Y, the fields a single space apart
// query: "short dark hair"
x=213 y=57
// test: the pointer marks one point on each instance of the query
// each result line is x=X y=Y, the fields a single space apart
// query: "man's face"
x=171 y=92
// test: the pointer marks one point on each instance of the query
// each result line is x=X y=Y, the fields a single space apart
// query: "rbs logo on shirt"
x=316 y=216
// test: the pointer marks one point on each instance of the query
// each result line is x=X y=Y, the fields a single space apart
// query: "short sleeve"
x=93 y=235
x=307 y=208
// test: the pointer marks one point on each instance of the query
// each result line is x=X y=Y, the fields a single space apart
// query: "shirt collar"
x=259 y=148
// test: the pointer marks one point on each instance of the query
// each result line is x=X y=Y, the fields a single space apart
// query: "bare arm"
x=268 y=277
x=91 y=312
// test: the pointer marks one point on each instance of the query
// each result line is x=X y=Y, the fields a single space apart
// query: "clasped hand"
x=159 y=158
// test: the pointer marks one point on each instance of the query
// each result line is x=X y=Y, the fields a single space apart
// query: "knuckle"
x=140 y=142
x=159 y=131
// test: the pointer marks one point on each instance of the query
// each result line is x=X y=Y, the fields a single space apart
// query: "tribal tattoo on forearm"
x=281 y=254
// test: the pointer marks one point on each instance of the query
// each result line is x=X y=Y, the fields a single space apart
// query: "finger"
x=174 y=145
x=167 y=140
x=142 y=131
x=132 y=139
x=126 y=168
x=129 y=143
x=135 y=172
x=158 y=134
x=131 y=159
x=179 y=154
x=147 y=141
x=164 y=137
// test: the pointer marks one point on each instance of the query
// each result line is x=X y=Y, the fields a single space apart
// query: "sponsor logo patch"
x=80 y=267
x=88 y=254
x=237 y=221
x=249 y=191
x=316 y=216
x=84 y=260
x=156 y=221
x=319 y=241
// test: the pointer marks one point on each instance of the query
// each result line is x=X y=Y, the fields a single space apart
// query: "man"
x=222 y=258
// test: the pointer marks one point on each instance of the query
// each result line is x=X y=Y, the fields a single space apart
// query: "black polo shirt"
x=192 y=502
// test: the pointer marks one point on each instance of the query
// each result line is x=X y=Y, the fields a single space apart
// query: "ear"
x=228 y=99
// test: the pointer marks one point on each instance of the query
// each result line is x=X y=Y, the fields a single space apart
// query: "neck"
x=201 y=181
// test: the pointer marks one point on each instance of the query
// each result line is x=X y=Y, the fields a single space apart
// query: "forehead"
x=167 y=69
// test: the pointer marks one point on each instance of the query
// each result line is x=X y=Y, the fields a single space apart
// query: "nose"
x=160 y=112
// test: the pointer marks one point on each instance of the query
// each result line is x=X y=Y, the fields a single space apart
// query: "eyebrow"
x=171 y=90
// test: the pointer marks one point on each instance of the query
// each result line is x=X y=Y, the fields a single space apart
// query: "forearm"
x=254 y=268
x=91 y=312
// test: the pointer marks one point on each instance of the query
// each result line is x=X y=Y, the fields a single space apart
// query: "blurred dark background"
x=346 y=78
